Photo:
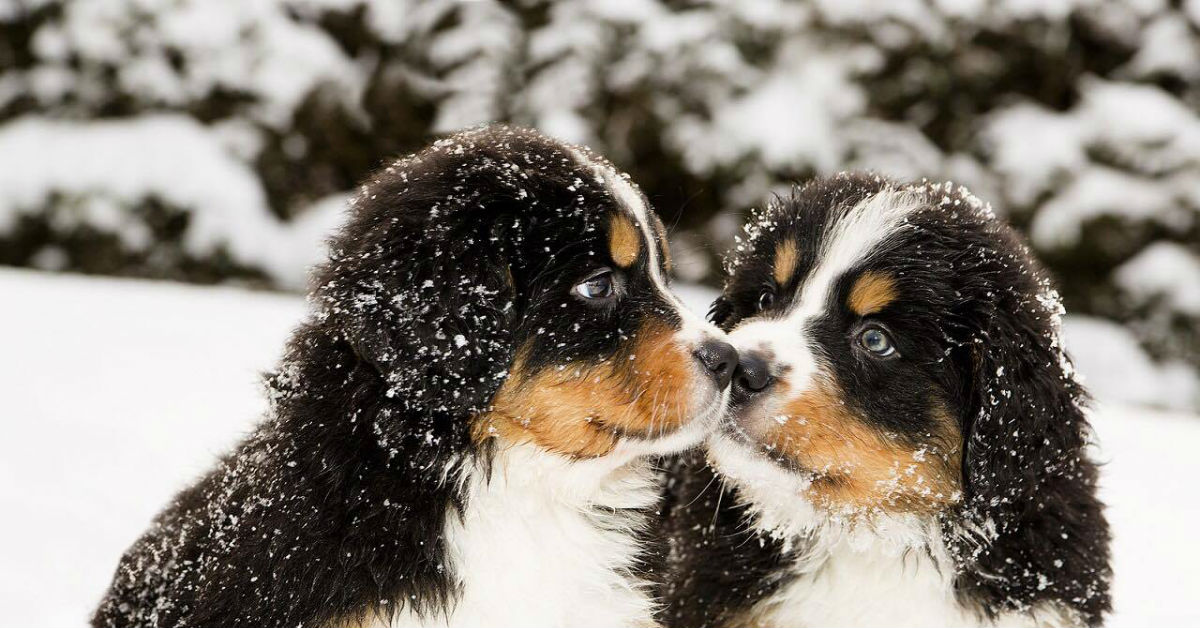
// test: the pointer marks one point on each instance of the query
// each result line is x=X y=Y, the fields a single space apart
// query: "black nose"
x=720 y=358
x=753 y=375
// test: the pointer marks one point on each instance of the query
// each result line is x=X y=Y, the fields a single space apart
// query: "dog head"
x=901 y=354
x=508 y=287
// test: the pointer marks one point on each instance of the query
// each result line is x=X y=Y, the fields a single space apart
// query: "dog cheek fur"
x=858 y=467
x=583 y=410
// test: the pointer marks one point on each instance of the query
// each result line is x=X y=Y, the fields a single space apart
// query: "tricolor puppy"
x=907 y=439
x=459 y=433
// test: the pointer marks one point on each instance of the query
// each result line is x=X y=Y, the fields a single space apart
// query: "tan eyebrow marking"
x=872 y=292
x=668 y=263
x=624 y=240
x=785 y=262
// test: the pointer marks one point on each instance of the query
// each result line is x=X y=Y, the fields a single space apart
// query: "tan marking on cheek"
x=859 y=467
x=785 y=262
x=661 y=383
x=624 y=240
x=583 y=410
x=871 y=293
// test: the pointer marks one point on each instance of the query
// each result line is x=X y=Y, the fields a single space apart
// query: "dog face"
x=880 y=326
x=606 y=354
x=512 y=288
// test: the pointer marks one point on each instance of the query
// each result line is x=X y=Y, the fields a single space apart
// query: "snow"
x=1167 y=47
x=789 y=119
x=1097 y=191
x=116 y=394
x=1049 y=146
x=1115 y=367
x=1153 y=137
x=1165 y=269
x=254 y=48
x=114 y=165
x=119 y=392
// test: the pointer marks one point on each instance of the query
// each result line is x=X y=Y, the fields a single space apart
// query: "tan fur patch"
x=582 y=410
x=785 y=262
x=624 y=240
x=859 y=467
x=668 y=263
x=871 y=293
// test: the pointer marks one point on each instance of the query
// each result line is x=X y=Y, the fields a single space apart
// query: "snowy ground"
x=117 y=392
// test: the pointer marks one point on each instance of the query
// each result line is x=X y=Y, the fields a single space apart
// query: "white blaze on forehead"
x=635 y=204
x=851 y=240
x=848 y=242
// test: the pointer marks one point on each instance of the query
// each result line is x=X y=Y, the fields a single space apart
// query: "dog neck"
x=547 y=541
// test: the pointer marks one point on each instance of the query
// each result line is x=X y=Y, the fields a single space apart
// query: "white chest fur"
x=892 y=575
x=865 y=583
x=546 y=542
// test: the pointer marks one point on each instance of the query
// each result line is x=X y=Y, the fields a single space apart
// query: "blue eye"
x=598 y=286
x=877 y=341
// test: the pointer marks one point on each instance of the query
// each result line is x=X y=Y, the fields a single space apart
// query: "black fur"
x=450 y=260
x=979 y=321
x=713 y=565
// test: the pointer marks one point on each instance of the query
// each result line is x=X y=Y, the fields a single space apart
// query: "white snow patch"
x=1164 y=269
x=790 y=119
x=1116 y=369
x=1152 y=137
x=255 y=48
x=1099 y=191
x=116 y=164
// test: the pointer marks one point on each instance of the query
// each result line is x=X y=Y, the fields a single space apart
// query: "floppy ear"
x=373 y=402
x=1030 y=487
x=429 y=306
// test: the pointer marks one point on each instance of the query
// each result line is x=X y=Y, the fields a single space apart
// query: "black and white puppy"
x=460 y=432
x=907 y=439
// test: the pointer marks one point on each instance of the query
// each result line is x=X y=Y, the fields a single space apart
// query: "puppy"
x=906 y=444
x=459 y=434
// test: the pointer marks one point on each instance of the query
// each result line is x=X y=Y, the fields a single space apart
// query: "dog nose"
x=719 y=358
x=752 y=376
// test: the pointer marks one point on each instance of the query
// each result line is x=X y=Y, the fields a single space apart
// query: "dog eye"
x=598 y=286
x=877 y=341
x=765 y=300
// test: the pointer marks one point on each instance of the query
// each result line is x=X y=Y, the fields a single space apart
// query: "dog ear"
x=1030 y=487
x=430 y=307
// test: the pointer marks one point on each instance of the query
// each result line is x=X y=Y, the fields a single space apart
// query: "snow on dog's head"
x=512 y=289
x=900 y=356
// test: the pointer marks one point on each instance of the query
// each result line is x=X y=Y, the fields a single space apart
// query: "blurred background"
x=216 y=142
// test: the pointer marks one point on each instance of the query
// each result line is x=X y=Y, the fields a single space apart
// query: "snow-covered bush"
x=213 y=139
